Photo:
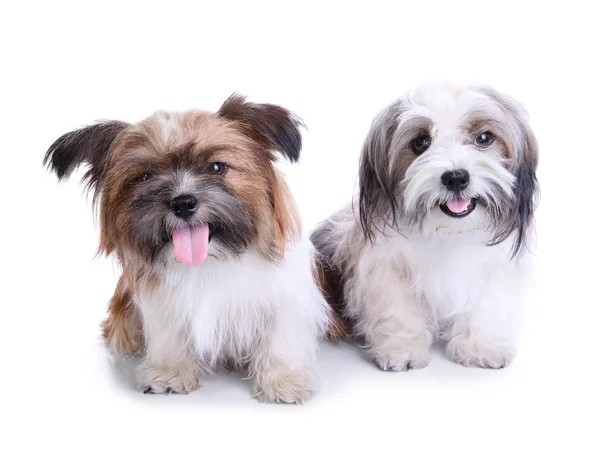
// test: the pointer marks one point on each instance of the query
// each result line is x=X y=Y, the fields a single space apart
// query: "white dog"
x=433 y=247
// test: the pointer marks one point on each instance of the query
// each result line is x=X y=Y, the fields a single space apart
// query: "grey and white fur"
x=435 y=246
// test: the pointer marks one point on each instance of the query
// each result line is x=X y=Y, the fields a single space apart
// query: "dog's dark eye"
x=217 y=168
x=144 y=176
x=420 y=144
x=484 y=140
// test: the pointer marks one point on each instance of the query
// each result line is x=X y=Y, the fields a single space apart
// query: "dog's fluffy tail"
x=330 y=280
x=326 y=280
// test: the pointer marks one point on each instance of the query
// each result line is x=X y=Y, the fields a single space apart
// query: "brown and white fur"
x=401 y=268
x=252 y=304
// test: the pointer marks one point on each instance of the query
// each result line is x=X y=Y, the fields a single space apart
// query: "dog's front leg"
x=283 y=365
x=389 y=318
x=484 y=335
x=170 y=363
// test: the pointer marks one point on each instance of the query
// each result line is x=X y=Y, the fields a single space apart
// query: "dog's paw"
x=411 y=354
x=399 y=365
x=294 y=387
x=177 y=379
x=480 y=353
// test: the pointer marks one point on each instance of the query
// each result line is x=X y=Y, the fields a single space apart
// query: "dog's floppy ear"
x=526 y=186
x=89 y=145
x=377 y=190
x=270 y=125
x=526 y=191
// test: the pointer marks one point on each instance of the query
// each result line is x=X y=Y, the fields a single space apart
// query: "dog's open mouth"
x=191 y=243
x=458 y=207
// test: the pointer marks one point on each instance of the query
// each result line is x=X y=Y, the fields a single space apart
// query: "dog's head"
x=181 y=180
x=453 y=158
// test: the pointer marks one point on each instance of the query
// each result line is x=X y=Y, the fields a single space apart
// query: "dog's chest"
x=453 y=273
x=225 y=305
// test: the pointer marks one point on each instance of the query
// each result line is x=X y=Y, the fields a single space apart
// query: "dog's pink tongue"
x=457 y=205
x=191 y=244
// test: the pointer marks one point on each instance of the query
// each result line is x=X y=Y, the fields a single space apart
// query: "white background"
x=65 y=65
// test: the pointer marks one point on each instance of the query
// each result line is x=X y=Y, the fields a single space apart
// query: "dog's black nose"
x=184 y=206
x=455 y=180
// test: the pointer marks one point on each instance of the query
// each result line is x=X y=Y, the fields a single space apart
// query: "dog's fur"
x=399 y=272
x=252 y=305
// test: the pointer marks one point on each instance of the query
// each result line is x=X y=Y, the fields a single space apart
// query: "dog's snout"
x=184 y=206
x=455 y=180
